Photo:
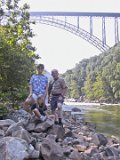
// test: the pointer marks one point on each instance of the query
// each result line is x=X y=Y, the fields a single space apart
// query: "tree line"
x=96 y=78
x=17 y=55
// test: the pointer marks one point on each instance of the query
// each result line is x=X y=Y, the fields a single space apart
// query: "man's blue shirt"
x=39 y=83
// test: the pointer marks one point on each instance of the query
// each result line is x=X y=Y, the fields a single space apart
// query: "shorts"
x=35 y=97
x=54 y=101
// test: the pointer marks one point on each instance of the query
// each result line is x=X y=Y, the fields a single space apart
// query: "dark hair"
x=40 y=66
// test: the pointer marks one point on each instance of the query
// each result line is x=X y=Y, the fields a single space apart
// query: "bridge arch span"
x=73 y=29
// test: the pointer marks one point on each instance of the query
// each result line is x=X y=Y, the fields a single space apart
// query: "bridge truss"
x=60 y=20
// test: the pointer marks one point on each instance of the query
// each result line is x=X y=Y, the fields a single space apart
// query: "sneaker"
x=43 y=118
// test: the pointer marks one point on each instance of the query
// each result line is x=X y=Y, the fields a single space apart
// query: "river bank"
x=90 y=104
x=106 y=117
x=23 y=137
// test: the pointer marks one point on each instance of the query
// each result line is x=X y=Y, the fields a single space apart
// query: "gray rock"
x=68 y=141
x=96 y=156
x=39 y=135
x=99 y=139
x=6 y=123
x=23 y=134
x=75 y=155
x=69 y=133
x=14 y=127
x=57 y=130
x=75 y=109
x=50 y=150
x=12 y=148
x=31 y=126
x=111 y=151
x=33 y=153
x=80 y=147
x=19 y=115
x=2 y=133
x=41 y=127
x=67 y=150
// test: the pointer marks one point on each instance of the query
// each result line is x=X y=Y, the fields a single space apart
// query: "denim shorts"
x=54 y=101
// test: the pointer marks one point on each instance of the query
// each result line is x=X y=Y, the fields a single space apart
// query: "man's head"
x=40 y=68
x=55 y=74
x=40 y=100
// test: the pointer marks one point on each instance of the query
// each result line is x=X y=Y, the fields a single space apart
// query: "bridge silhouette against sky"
x=61 y=20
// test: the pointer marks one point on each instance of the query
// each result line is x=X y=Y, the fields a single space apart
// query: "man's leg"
x=54 y=108
x=38 y=113
x=59 y=107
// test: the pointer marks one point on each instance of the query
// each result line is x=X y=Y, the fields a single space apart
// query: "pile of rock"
x=22 y=137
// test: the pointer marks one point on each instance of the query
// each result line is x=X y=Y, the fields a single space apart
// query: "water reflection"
x=107 y=119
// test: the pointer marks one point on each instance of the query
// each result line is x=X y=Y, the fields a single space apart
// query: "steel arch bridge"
x=54 y=19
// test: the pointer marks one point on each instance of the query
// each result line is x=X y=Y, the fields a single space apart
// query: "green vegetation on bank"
x=17 y=54
x=97 y=78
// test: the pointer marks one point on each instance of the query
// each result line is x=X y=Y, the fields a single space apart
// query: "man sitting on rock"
x=39 y=109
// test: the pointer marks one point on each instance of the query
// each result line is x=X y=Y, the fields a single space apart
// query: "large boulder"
x=41 y=127
x=30 y=127
x=12 y=148
x=99 y=139
x=23 y=134
x=6 y=123
x=57 y=130
x=14 y=127
x=50 y=150
x=19 y=115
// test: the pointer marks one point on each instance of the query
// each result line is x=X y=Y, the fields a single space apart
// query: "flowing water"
x=106 y=118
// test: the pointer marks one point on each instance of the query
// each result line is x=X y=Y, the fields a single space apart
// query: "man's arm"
x=30 y=90
x=64 y=88
x=49 y=88
x=46 y=91
x=30 y=86
x=64 y=92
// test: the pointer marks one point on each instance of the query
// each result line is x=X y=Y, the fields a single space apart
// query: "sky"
x=60 y=49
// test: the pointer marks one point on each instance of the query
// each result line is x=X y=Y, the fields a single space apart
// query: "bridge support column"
x=103 y=31
x=91 y=26
x=116 y=31
x=78 y=22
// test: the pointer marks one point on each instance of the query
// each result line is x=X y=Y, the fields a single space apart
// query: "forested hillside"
x=97 y=78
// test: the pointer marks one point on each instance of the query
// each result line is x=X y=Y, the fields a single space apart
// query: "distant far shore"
x=90 y=103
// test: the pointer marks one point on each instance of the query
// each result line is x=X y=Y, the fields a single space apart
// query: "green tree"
x=74 y=90
x=98 y=87
x=17 y=54
x=88 y=88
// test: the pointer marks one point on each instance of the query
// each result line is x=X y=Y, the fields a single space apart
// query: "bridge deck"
x=84 y=14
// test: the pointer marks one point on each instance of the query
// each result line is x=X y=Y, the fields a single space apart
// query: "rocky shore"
x=22 y=137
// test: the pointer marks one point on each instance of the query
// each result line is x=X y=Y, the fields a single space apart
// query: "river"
x=106 y=117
